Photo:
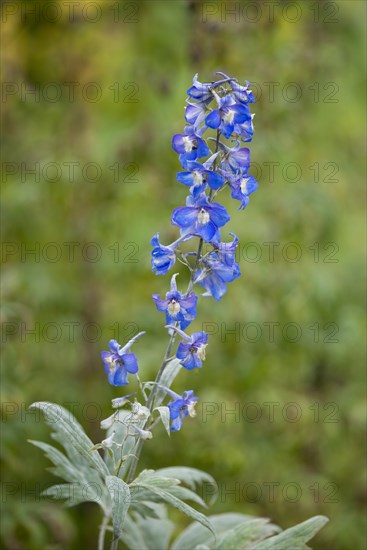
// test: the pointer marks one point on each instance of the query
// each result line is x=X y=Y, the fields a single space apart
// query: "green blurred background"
x=92 y=93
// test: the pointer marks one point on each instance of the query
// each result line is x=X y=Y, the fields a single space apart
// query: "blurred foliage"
x=141 y=58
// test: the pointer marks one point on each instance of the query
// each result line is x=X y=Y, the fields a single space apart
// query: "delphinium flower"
x=178 y=307
x=118 y=362
x=181 y=407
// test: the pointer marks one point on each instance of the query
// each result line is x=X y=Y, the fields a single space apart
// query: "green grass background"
x=148 y=52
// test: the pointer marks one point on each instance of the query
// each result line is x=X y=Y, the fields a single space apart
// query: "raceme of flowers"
x=213 y=157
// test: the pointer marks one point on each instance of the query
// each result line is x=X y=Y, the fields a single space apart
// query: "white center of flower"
x=174 y=308
x=244 y=185
x=187 y=144
x=191 y=409
x=198 y=177
x=111 y=364
x=201 y=352
x=228 y=117
x=203 y=216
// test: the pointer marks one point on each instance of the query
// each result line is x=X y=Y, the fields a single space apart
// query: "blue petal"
x=206 y=231
x=185 y=177
x=182 y=350
x=160 y=304
x=213 y=119
x=214 y=179
x=184 y=216
x=120 y=378
x=218 y=214
x=178 y=144
x=130 y=362
x=190 y=362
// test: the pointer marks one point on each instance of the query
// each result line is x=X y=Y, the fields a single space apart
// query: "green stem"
x=102 y=531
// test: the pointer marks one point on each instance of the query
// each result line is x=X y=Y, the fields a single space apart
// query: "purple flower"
x=243 y=94
x=178 y=308
x=200 y=217
x=227 y=115
x=163 y=257
x=181 y=407
x=215 y=275
x=118 y=362
x=199 y=177
x=192 y=352
x=195 y=113
x=236 y=160
x=189 y=146
x=226 y=251
x=242 y=187
x=200 y=91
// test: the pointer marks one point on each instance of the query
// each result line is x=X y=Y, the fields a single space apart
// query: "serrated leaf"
x=64 y=468
x=75 y=493
x=243 y=536
x=294 y=538
x=71 y=435
x=120 y=497
x=193 y=477
x=165 y=417
x=179 y=505
x=195 y=534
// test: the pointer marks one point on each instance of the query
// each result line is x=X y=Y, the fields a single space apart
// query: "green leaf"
x=179 y=504
x=246 y=534
x=151 y=477
x=64 y=468
x=165 y=417
x=148 y=533
x=72 y=436
x=75 y=493
x=195 y=534
x=120 y=496
x=193 y=477
x=294 y=538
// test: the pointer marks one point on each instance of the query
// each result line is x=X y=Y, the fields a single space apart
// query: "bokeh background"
x=92 y=93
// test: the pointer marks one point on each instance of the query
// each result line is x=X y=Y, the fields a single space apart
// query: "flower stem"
x=102 y=531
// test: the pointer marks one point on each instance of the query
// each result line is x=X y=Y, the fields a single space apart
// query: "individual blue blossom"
x=181 y=407
x=200 y=217
x=241 y=188
x=199 y=90
x=164 y=257
x=189 y=146
x=199 y=177
x=243 y=94
x=191 y=351
x=228 y=114
x=236 y=159
x=215 y=274
x=245 y=130
x=227 y=251
x=178 y=308
x=195 y=113
x=118 y=362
